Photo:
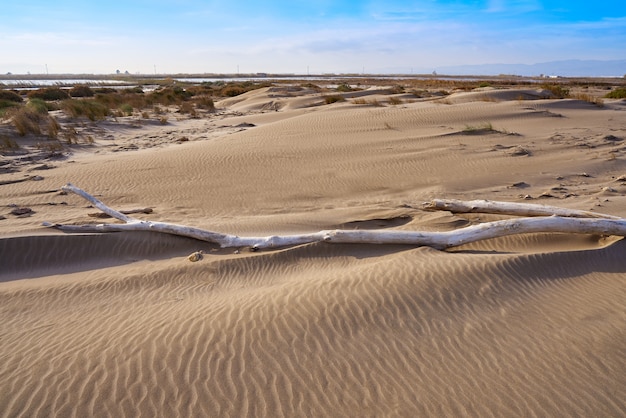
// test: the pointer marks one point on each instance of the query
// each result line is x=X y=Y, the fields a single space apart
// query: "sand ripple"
x=321 y=331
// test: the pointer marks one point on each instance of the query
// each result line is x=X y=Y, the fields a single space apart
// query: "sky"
x=301 y=36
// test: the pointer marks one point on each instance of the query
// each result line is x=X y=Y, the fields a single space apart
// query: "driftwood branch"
x=509 y=208
x=567 y=221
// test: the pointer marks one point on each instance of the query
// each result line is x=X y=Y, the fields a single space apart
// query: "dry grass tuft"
x=334 y=99
x=589 y=99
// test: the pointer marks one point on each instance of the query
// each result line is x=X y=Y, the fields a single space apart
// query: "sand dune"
x=124 y=325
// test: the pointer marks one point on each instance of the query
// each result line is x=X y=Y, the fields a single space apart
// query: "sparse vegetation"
x=71 y=135
x=35 y=115
x=8 y=144
x=53 y=128
x=50 y=146
x=484 y=128
x=370 y=102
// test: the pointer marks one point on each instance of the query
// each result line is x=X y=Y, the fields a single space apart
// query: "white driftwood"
x=438 y=240
x=509 y=208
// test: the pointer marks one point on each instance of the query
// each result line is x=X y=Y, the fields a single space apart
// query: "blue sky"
x=293 y=36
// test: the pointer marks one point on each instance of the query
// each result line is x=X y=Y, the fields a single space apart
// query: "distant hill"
x=567 y=68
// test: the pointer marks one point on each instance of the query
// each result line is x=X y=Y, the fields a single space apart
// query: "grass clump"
x=557 y=90
x=10 y=96
x=344 y=88
x=6 y=105
x=38 y=105
x=81 y=91
x=395 y=101
x=91 y=109
x=27 y=120
x=206 y=103
x=334 y=99
x=49 y=94
x=126 y=109
x=187 y=108
x=486 y=127
x=370 y=102
x=589 y=99
x=619 y=93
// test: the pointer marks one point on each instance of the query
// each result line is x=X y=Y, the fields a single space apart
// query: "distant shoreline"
x=64 y=80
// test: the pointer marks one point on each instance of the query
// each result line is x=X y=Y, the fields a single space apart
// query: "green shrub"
x=49 y=94
x=10 y=96
x=619 y=93
x=81 y=91
x=557 y=90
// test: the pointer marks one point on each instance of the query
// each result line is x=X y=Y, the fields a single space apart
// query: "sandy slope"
x=125 y=325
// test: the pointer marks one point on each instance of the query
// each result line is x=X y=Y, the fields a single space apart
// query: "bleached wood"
x=509 y=208
x=438 y=240
x=69 y=187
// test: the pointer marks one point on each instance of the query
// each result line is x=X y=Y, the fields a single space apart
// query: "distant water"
x=25 y=83
x=60 y=82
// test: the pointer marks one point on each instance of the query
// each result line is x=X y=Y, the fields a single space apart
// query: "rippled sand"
x=123 y=324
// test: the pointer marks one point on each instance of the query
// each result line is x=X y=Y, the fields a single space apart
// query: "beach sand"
x=123 y=324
